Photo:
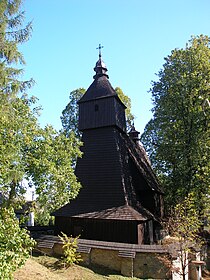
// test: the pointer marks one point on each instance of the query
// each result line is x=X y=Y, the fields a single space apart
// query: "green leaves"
x=70 y=114
x=18 y=128
x=184 y=221
x=51 y=161
x=127 y=102
x=184 y=224
x=15 y=244
x=44 y=158
x=177 y=137
x=70 y=246
x=11 y=35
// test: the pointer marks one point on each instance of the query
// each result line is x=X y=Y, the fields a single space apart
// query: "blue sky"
x=136 y=35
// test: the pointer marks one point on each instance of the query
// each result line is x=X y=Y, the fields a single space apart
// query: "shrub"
x=15 y=244
x=70 y=246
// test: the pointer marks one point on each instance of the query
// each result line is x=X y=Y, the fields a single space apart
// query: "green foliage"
x=177 y=138
x=44 y=157
x=70 y=246
x=51 y=161
x=70 y=115
x=127 y=102
x=184 y=221
x=17 y=122
x=184 y=224
x=15 y=244
x=18 y=129
x=11 y=35
x=42 y=215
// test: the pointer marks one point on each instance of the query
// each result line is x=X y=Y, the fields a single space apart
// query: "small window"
x=96 y=107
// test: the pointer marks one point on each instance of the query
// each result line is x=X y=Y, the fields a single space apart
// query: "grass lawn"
x=48 y=268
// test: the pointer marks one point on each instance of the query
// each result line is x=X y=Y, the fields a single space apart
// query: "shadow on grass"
x=56 y=263
x=101 y=270
x=52 y=263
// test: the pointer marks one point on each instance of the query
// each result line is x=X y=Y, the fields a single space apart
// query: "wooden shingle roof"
x=140 y=158
x=114 y=171
x=107 y=191
x=124 y=212
x=100 y=87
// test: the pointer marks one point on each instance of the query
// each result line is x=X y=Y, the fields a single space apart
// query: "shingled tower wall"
x=120 y=199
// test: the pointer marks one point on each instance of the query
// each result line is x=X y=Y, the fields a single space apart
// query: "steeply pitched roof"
x=107 y=191
x=100 y=87
x=110 y=161
x=141 y=160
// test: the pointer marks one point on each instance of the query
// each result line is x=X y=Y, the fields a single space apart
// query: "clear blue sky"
x=136 y=35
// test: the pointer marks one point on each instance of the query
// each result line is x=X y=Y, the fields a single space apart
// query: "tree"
x=15 y=243
x=11 y=35
x=177 y=138
x=184 y=225
x=43 y=157
x=127 y=102
x=70 y=115
x=51 y=160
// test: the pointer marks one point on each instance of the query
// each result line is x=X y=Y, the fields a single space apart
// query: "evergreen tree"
x=15 y=243
x=11 y=36
x=44 y=157
x=27 y=151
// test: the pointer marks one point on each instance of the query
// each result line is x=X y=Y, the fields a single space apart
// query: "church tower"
x=100 y=106
x=120 y=199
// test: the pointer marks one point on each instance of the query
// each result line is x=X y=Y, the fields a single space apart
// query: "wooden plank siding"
x=101 y=112
x=101 y=230
x=109 y=181
x=120 y=197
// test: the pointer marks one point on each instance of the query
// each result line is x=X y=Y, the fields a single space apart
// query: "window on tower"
x=96 y=107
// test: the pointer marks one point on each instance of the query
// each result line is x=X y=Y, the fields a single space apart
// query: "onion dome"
x=100 y=68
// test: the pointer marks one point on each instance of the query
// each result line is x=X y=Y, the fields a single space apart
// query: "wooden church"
x=120 y=199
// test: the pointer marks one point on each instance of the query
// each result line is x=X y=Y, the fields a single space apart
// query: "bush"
x=70 y=246
x=15 y=244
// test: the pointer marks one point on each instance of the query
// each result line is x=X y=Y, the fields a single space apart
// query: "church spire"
x=100 y=67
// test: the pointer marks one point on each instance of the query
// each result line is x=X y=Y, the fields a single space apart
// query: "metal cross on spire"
x=99 y=48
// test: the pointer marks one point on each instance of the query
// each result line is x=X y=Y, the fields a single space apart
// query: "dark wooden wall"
x=148 y=198
x=103 y=230
x=101 y=112
x=100 y=171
